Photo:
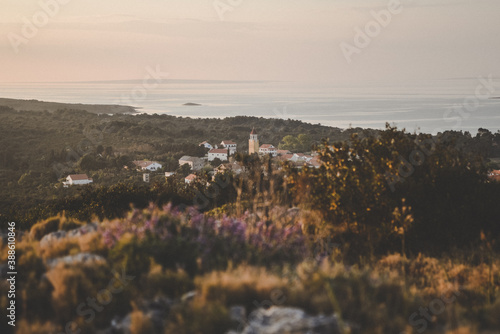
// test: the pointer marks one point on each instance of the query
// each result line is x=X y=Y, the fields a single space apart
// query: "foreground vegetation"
x=164 y=253
x=395 y=232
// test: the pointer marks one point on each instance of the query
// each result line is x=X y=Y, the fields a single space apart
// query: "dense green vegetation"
x=391 y=222
x=39 y=148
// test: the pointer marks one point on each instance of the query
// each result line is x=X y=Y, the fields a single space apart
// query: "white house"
x=77 y=179
x=206 y=144
x=268 y=149
x=230 y=145
x=217 y=153
x=195 y=163
x=152 y=166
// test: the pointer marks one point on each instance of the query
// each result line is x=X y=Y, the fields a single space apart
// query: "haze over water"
x=422 y=106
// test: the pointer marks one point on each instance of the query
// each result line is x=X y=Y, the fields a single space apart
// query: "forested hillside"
x=390 y=224
x=39 y=148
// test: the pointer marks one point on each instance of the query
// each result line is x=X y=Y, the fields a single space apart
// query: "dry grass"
x=87 y=243
x=74 y=284
x=53 y=224
x=60 y=248
x=92 y=243
x=26 y=327
x=379 y=296
x=140 y=323
x=244 y=285
x=165 y=282
x=462 y=330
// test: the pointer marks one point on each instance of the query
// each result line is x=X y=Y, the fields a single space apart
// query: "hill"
x=35 y=105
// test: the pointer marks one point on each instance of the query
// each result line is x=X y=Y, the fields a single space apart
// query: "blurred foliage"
x=362 y=184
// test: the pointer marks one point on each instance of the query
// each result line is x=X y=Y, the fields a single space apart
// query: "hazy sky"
x=256 y=40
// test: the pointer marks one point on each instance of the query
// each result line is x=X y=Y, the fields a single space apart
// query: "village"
x=221 y=159
x=218 y=159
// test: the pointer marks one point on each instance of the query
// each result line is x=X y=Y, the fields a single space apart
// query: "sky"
x=279 y=40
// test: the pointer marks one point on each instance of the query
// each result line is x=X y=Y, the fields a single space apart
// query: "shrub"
x=77 y=284
x=172 y=284
x=243 y=286
x=140 y=323
x=44 y=227
x=130 y=253
x=53 y=224
x=199 y=318
x=195 y=242
x=33 y=289
x=35 y=327
x=59 y=248
x=92 y=243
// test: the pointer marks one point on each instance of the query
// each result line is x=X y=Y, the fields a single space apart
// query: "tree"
x=90 y=162
x=99 y=149
x=288 y=143
x=184 y=170
x=420 y=185
x=216 y=162
x=304 y=142
x=301 y=143
x=108 y=151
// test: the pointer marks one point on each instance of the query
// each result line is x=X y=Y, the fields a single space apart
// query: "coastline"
x=36 y=105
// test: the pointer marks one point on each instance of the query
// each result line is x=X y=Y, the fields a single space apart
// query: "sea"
x=429 y=106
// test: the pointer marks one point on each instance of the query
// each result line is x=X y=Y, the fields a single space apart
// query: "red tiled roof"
x=191 y=177
x=253 y=132
x=218 y=150
x=495 y=175
x=283 y=152
x=269 y=146
x=315 y=163
x=228 y=142
x=79 y=177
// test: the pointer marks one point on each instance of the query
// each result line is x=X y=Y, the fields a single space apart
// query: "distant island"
x=35 y=105
x=191 y=104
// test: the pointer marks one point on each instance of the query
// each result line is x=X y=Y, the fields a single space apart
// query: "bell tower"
x=253 y=142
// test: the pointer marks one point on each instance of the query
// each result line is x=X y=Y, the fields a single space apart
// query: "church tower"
x=253 y=143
